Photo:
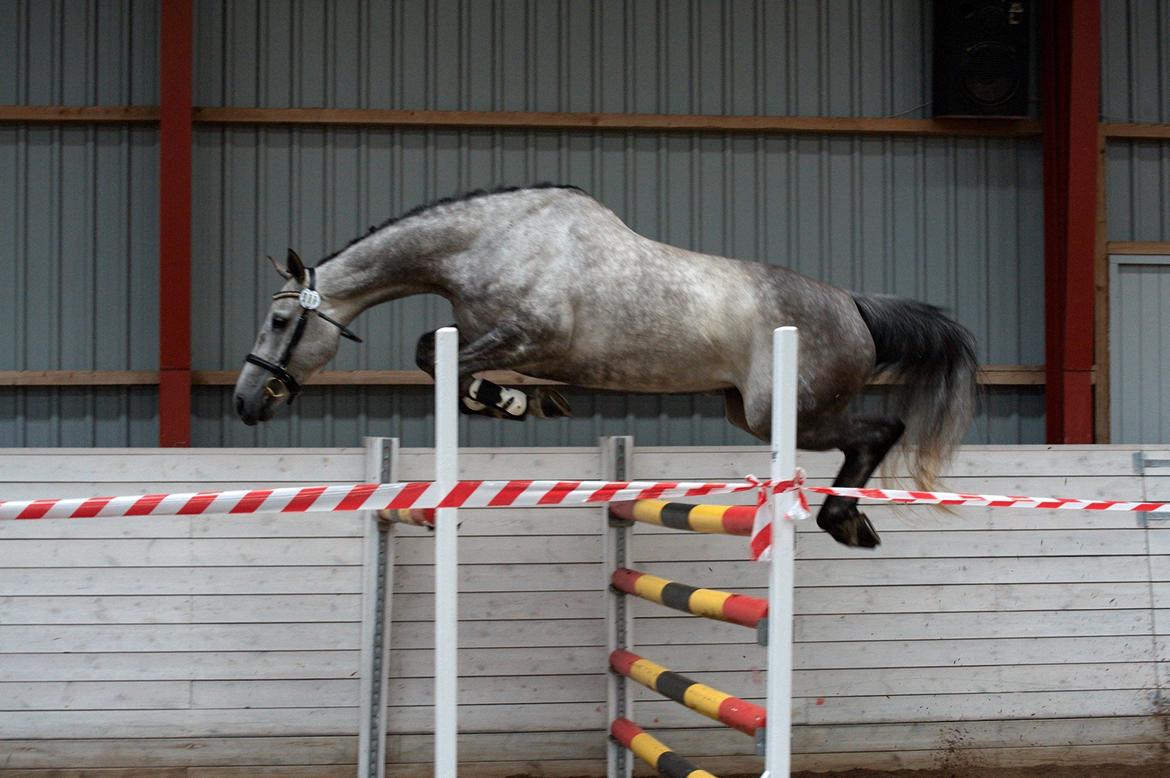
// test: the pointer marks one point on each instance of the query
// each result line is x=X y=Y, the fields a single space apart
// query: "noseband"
x=310 y=300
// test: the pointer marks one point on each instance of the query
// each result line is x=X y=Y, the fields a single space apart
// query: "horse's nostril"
x=239 y=405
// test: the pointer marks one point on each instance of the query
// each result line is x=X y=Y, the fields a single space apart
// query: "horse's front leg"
x=501 y=348
x=865 y=441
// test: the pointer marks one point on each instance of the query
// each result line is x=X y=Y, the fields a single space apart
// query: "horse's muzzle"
x=251 y=412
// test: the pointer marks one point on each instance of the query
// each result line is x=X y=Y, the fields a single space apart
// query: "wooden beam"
x=989 y=375
x=1148 y=248
x=537 y=120
x=78 y=377
x=1137 y=130
x=544 y=120
x=85 y=114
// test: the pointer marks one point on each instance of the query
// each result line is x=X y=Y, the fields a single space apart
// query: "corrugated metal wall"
x=857 y=57
x=1135 y=87
x=951 y=221
x=1139 y=338
x=78 y=222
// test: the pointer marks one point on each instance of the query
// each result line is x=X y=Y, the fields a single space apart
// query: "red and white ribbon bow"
x=798 y=510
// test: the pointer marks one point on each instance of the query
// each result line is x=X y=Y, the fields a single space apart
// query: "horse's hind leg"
x=500 y=348
x=865 y=440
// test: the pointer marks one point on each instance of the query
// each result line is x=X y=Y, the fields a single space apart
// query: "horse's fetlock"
x=484 y=394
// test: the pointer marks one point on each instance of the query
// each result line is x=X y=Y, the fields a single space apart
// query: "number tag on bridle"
x=309 y=299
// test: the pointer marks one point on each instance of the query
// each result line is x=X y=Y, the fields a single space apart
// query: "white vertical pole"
x=446 y=554
x=778 y=737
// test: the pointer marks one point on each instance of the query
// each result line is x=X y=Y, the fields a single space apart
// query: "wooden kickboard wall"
x=230 y=646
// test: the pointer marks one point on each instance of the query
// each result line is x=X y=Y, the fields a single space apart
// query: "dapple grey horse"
x=548 y=282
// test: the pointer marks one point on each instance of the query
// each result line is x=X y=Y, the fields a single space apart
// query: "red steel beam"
x=1071 y=59
x=174 y=224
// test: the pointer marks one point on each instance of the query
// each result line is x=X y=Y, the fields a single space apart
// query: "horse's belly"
x=636 y=373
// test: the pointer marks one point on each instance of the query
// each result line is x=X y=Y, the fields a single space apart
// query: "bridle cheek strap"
x=310 y=301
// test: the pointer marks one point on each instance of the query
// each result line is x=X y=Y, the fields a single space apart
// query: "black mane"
x=472 y=195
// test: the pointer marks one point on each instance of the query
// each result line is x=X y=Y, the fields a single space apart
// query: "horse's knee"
x=424 y=353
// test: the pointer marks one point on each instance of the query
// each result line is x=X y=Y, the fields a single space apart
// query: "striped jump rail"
x=738 y=714
x=653 y=751
x=712 y=519
x=709 y=603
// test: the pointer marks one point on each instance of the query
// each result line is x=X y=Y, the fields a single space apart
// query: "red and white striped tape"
x=503 y=494
x=366 y=497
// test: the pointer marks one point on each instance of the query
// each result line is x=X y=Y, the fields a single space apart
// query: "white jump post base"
x=446 y=555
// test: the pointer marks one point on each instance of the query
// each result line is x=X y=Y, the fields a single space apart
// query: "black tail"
x=931 y=360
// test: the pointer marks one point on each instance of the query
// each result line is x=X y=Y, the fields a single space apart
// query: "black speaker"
x=981 y=57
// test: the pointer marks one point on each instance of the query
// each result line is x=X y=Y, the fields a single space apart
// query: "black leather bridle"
x=310 y=301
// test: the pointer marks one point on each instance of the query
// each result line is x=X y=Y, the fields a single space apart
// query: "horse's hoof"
x=853 y=530
x=549 y=404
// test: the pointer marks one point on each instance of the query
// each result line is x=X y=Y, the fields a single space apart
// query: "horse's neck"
x=397 y=261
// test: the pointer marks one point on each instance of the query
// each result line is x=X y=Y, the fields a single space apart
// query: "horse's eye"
x=279 y=322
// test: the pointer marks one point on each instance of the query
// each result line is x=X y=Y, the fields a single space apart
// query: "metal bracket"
x=762 y=741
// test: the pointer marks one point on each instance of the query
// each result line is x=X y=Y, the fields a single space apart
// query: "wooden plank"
x=216 y=757
x=72 y=752
x=1136 y=130
x=176 y=552
x=857 y=572
x=819 y=739
x=505 y=606
x=924 y=626
x=970 y=461
x=616 y=121
x=78 y=377
x=277 y=465
x=178 y=637
x=843 y=684
x=179 y=609
x=683 y=547
x=252 y=722
x=667 y=715
x=315 y=692
x=1154 y=247
x=181 y=580
x=86 y=114
x=259 y=525
x=989 y=375
x=94 y=695
x=840 y=655
x=179 y=665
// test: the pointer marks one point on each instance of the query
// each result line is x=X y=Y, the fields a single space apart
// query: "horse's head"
x=295 y=340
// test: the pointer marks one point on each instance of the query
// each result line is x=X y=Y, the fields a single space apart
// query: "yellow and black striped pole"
x=709 y=603
x=715 y=519
x=739 y=714
x=653 y=751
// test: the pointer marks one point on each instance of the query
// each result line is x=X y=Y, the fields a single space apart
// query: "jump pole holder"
x=772 y=726
x=446 y=555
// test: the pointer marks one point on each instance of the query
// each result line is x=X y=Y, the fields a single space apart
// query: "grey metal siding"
x=1135 y=87
x=78 y=222
x=78 y=52
x=843 y=58
x=951 y=221
x=1138 y=189
x=1139 y=339
x=1135 y=60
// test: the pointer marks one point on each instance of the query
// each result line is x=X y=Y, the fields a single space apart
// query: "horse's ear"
x=295 y=267
x=283 y=273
